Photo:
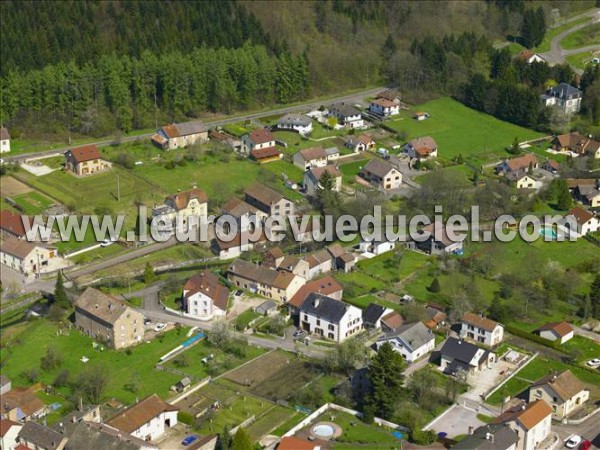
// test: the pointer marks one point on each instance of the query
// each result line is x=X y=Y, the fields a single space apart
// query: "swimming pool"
x=548 y=233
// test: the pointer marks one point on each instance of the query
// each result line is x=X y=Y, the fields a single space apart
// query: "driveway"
x=455 y=420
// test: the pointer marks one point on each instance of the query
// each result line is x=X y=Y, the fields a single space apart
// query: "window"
x=331 y=327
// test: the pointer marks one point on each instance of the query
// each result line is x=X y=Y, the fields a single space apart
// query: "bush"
x=435 y=286
x=62 y=378
x=423 y=437
x=185 y=417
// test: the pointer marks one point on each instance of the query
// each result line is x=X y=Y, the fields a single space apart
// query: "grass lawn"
x=585 y=348
x=72 y=345
x=460 y=130
x=580 y=60
x=242 y=321
x=357 y=433
x=33 y=202
x=350 y=170
x=287 y=425
x=273 y=418
x=581 y=38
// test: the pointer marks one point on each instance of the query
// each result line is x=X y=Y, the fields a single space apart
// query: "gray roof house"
x=34 y=435
x=329 y=318
x=493 y=436
x=372 y=315
x=457 y=355
x=296 y=122
x=412 y=341
x=564 y=97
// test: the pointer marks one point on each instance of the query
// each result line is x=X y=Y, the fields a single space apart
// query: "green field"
x=580 y=60
x=350 y=170
x=32 y=202
x=458 y=129
x=581 y=38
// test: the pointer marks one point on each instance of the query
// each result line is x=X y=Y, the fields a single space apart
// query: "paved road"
x=587 y=333
x=357 y=97
x=590 y=430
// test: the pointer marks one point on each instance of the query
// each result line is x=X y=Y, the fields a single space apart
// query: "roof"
x=576 y=182
x=261 y=274
x=581 y=215
x=141 y=413
x=479 y=321
x=326 y=286
x=388 y=94
x=90 y=435
x=295 y=119
x=529 y=416
x=100 y=305
x=383 y=102
x=6 y=425
x=4 y=134
x=318 y=258
x=294 y=443
x=378 y=167
x=565 y=384
x=275 y=253
x=40 y=436
x=22 y=398
x=19 y=248
x=412 y=335
x=564 y=91
x=265 y=307
x=554 y=164
x=317 y=172
x=345 y=110
x=577 y=143
x=249 y=238
x=85 y=153
x=261 y=136
x=238 y=208
x=393 y=320
x=263 y=194
x=13 y=223
x=459 y=350
x=560 y=328
x=503 y=438
x=424 y=145
x=324 y=307
x=522 y=162
x=362 y=139
x=182 y=199
x=372 y=313
x=264 y=153
x=183 y=129
x=208 y=284
x=309 y=154
x=4 y=380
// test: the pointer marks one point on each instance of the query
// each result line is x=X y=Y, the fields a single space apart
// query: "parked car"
x=189 y=439
x=594 y=362
x=147 y=321
x=573 y=441
x=106 y=243
x=160 y=326
x=585 y=445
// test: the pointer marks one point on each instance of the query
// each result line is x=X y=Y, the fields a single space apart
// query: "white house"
x=563 y=392
x=4 y=140
x=329 y=318
x=412 y=341
x=457 y=355
x=585 y=221
x=524 y=181
x=296 y=122
x=384 y=107
x=9 y=431
x=381 y=174
x=204 y=298
x=181 y=207
x=257 y=140
x=148 y=419
x=375 y=247
x=312 y=179
x=311 y=157
x=564 y=97
x=360 y=143
x=26 y=257
x=531 y=422
x=478 y=328
x=556 y=331
x=347 y=115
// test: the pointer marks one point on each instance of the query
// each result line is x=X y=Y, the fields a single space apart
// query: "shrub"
x=423 y=437
x=185 y=417
x=435 y=286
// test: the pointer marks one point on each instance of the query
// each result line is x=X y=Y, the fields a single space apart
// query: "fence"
x=489 y=394
x=244 y=424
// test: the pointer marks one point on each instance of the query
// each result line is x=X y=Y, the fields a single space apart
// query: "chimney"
x=317 y=302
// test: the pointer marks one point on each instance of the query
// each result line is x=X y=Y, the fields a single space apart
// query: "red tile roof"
x=85 y=153
x=141 y=413
x=261 y=136
x=560 y=328
x=264 y=153
x=13 y=223
x=6 y=425
x=326 y=286
x=182 y=199
x=528 y=417
x=293 y=443
x=581 y=215
x=208 y=284
x=479 y=321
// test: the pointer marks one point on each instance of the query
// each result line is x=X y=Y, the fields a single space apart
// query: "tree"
x=347 y=356
x=435 y=286
x=51 y=360
x=515 y=148
x=496 y=311
x=149 y=275
x=224 y=439
x=420 y=385
x=564 y=201
x=60 y=294
x=595 y=296
x=533 y=28
x=386 y=378
x=93 y=383
x=241 y=440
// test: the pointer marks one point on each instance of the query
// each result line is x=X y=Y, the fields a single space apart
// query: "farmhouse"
x=576 y=143
x=493 y=436
x=273 y=284
x=40 y=437
x=311 y=157
x=296 y=122
x=179 y=208
x=21 y=405
x=27 y=257
x=556 y=331
x=326 y=286
x=564 y=97
x=585 y=221
x=422 y=148
x=532 y=423
x=180 y=135
x=436 y=240
x=381 y=174
x=204 y=297
x=346 y=115
x=412 y=341
x=329 y=318
x=148 y=419
x=260 y=139
x=458 y=355
x=563 y=392
x=361 y=143
x=107 y=319
x=313 y=177
x=522 y=163
x=4 y=140
x=477 y=328
x=268 y=200
x=384 y=107
x=85 y=160
x=11 y=225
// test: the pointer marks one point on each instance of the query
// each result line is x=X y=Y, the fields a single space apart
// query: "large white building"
x=564 y=97
x=204 y=297
x=26 y=257
x=478 y=328
x=329 y=318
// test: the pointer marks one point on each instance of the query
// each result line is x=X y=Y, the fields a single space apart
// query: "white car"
x=594 y=362
x=160 y=326
x=106 y=243
x=573 y=441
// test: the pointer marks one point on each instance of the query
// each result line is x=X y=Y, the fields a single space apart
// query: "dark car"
x=189 y=439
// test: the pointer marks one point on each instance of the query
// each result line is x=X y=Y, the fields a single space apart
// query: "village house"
x=435 y=240
x=563 y=392
x=4 y=140
x=9 y=431
x=381 y=174
x=21 y=405
x=225 y=139
x=180 y=135
x=384 y=107
x=27 y=257
x=374 y=247
x=457 y=355
x=372 y=315
x=492 y=436
x=519 y=164
x=260 y=139
x=436 y=317
x=532 y=423
x=390 y=94
x=343 y=260
x=12 y=225
x=551 y=166
x=327 y=259
x=347 y=116
x=576 y=144
x=265 y=155
x=39 y=437
x=273 y=284
x=585 y=221
x=327 y=286
x=422 y=148
x=5 y=384
x=246 y=216
x=294 y=264
x=179 y=208
x=91 y=435
x=147 y=420
x=556 y=331
x=530 y=57
x=85 y=160
x=311 y=157
x=477 y=328
x=204 y=297
x=296 y=122
x=564 y=97
x=242 y=242
x=108 y=319
x=523 y=180
x=391 y=322
x=412 y=341
x=329 y=318
x=361 y=143
x=588 y=195
x=268 y=200
x=312 y=179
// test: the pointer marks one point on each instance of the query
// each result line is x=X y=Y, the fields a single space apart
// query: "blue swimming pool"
x=193 y=339
x=548 y=233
